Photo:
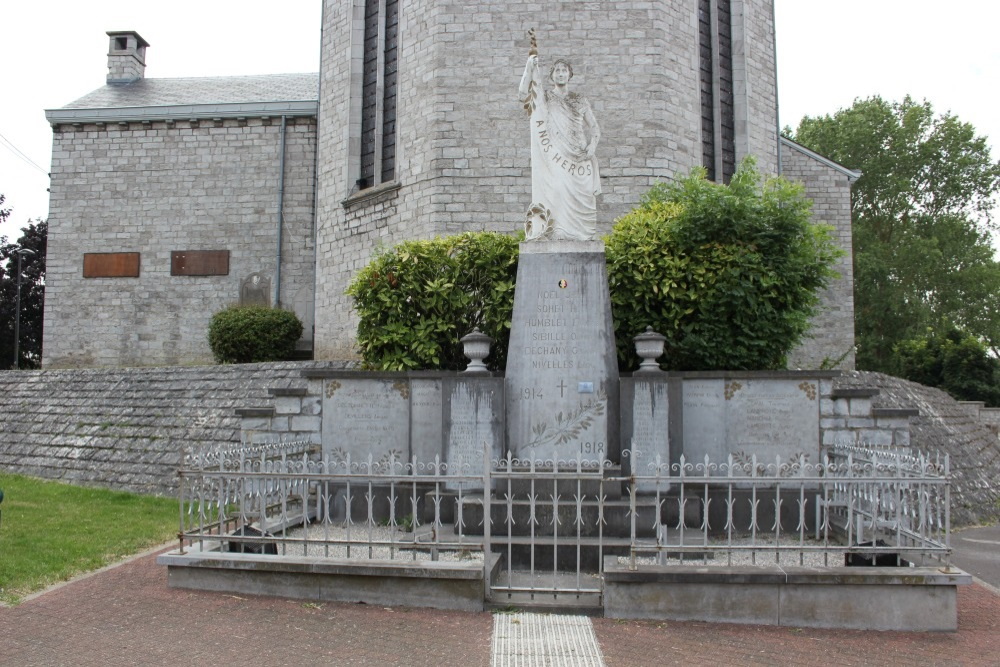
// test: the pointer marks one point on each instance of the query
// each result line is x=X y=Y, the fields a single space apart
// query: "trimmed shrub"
x=248 y=334
x=729 y=274
x=416 y=300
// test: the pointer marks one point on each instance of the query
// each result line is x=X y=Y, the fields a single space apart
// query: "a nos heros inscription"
x=580 y=170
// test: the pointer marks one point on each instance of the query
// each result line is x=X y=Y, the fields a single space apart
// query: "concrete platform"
x=875 y=598
x=438 y=585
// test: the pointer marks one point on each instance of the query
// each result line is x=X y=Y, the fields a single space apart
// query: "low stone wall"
x=127 y=428
x=877 y=598
x=944 y=425
x=436 y=585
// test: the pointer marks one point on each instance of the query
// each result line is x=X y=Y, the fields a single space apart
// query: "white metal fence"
x=553 y=522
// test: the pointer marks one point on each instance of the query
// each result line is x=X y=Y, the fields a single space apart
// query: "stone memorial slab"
x=704 y=421
x=645 y=419
x=772 y=417
x=473 y=420
x=562 y=372
x=362 y=416
x=426 y=432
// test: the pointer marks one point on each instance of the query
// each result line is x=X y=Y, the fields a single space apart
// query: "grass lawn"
x=50 y=532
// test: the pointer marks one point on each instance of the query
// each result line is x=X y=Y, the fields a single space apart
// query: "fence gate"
x=550 y=528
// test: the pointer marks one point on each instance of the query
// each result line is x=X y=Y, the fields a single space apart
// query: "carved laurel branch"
x=569 y=426
x=538 y=214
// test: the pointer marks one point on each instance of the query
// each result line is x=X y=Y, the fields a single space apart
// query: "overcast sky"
x=829 y=53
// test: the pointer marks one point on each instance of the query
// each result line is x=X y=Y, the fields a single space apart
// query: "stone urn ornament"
x=476 y=346
x=649 y=347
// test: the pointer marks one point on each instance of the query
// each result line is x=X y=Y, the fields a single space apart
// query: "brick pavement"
x=126 y=616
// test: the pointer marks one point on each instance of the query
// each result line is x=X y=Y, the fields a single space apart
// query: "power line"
x=9 y=145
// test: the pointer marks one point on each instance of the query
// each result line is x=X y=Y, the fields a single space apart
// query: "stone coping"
x=422 y=569
x=254 y=412
x=665 y=375
x=785 y=574
x=859 y=392
x=754 y=375
x=324 y=373
x=895 y=412
x=561 y=246
x=288 y=391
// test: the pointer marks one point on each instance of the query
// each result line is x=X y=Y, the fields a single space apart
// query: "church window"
x=718 y=119
x=378 y=93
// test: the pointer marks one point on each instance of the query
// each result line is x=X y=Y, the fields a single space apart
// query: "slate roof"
x=202 y=90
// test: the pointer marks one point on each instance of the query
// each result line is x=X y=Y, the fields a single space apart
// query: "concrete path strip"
x=530 y=640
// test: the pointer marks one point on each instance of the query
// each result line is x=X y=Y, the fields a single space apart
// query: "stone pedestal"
x=562 y=374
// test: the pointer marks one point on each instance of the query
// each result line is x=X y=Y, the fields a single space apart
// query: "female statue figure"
x=565 y=180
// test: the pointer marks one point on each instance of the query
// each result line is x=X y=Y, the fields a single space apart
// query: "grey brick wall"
x=158 y=187
x=831 y=336
x=462 y=136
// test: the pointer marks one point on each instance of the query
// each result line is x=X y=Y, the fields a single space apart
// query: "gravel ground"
x=388 y=543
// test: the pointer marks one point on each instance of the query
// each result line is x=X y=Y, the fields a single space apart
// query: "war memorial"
x=735 y=496
x=799 y=497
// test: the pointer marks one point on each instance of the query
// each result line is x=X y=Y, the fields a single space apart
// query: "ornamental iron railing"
x=554 y=523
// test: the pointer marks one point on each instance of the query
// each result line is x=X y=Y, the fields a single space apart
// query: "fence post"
x=487 y=519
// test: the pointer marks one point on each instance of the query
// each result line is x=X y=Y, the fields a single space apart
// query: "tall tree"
x=34 y=238
x=922 y=212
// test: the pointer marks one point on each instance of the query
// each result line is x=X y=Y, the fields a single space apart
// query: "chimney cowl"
x=126 y=56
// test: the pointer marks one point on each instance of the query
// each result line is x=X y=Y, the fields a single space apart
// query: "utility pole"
x=17 y=314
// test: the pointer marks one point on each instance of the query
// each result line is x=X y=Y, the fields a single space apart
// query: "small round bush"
x=248 y=334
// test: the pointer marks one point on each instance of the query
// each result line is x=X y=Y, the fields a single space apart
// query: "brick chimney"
x=126 y=56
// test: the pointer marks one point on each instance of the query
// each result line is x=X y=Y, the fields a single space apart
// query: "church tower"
x=422 y=134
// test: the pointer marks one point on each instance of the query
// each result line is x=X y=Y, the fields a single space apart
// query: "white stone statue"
x=565 y=180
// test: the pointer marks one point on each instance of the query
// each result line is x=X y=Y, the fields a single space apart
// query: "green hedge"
x=417 y=299
x=247 y=334
x=729 y=274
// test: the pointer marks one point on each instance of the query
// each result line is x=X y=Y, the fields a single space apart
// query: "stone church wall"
x=831 y=338
x=462 y=138
x=758 y=58
x=158 y=187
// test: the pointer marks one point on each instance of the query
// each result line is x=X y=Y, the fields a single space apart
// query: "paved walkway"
x=126 y=615
x=977 y=551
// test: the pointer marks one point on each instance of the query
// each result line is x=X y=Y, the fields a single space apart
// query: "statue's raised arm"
x=565 y=180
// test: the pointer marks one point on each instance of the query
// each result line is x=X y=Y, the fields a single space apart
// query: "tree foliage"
x=33 y=237
x=249 y=334
x=729 y=274
x=921 y=216
x=952 y=360
x=417 y=299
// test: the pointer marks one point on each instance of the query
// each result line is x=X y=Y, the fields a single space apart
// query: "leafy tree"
x=922 y=211
x=729 y=274
x=248 y=334
x=34 y=238
x=953 y=361
x=416 y=300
